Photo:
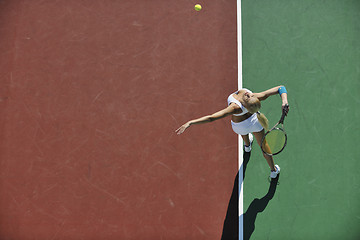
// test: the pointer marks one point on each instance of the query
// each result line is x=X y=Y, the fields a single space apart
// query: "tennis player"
x=246 y=120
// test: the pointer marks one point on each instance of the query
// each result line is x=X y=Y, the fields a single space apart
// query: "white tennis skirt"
x=247 y=126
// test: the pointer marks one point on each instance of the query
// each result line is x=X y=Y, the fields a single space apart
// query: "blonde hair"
x=254 y=107
x=263 y=120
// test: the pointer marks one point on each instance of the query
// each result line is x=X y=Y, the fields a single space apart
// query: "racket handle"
x=286 y=107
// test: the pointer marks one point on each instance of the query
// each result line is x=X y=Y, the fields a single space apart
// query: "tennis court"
x=92 y=92
x=312 y=48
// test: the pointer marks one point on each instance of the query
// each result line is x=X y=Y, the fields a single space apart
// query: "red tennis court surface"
x=91 y=93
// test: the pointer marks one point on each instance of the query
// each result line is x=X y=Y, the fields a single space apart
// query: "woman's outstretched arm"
x=265 y=94
x=232 y=108
x=281 y=90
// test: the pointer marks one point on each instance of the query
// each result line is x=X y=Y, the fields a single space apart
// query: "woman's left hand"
x=181 y=129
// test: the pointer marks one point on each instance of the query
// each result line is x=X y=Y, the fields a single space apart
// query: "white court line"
x=240 y=141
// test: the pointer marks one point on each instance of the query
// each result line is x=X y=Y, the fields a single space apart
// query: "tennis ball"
x=197 y=7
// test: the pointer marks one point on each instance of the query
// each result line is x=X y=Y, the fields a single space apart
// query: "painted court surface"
x=92 y=92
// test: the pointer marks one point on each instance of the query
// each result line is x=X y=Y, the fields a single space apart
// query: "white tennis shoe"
x=274 y=174
x=248 y=148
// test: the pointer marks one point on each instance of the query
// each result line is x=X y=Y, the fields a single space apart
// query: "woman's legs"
x=246 y=139
x=269 y=159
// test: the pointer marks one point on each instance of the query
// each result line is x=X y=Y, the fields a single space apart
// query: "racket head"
x=274 y=141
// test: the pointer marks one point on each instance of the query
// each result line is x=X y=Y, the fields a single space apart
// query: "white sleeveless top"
x=231 y=99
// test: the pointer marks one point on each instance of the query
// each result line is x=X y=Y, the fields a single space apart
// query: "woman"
x=243 y=106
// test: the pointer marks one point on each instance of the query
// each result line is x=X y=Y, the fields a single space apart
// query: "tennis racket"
x=274 y=140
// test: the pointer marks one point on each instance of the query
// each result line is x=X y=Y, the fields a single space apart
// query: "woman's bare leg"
x=269 y=159
x=246 y=139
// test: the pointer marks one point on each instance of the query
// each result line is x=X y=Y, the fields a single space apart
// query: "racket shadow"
x=231 y=222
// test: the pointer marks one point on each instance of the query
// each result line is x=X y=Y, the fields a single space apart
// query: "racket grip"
x=284 y=110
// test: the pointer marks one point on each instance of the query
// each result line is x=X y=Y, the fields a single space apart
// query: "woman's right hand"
x=285 y=108
x=181 y=129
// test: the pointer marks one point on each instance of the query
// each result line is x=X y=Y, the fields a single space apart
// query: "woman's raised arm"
x=281 y=90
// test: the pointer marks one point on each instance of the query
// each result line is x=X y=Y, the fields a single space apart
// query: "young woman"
x=244 y=106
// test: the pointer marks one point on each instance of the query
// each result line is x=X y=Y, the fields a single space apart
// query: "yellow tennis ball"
x=197 y=7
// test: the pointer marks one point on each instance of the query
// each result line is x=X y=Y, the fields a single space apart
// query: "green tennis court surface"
x=313 y=48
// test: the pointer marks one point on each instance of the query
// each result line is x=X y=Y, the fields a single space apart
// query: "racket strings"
x=274 y=141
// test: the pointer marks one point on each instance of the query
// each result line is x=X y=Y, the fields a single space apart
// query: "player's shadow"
x=231 y=222
x=257 y=206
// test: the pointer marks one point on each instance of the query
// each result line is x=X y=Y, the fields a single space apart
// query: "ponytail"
x=263 y=120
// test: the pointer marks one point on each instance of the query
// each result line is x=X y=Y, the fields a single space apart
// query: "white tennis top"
x=232 y=99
